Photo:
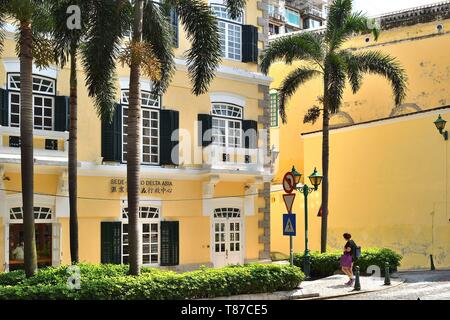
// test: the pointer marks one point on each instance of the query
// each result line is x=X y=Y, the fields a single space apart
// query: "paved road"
x=419 y=285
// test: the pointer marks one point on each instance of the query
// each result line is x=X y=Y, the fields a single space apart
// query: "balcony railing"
x=46 y=143
x=217 y=157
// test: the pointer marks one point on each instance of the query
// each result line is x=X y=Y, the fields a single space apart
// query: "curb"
x=401 y=282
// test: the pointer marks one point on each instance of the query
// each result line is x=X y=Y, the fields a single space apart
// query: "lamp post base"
x=307 y=266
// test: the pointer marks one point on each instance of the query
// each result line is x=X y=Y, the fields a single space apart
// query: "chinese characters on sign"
x=161 y=187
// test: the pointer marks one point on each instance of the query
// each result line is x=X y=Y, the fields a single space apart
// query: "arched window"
x=150 y=126
x=227 y=125
x=40 y=214
x=150 y=225
x=44 y=91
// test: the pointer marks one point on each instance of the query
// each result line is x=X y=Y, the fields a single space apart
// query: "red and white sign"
x=289 y=201
x=289 y=182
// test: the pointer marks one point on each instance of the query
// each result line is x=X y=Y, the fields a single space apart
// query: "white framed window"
x=149 y=220
x=43 y=101
x=150 y=126
x=230 y=32
x=227 y=125
x=40 y=214
x=274 y=108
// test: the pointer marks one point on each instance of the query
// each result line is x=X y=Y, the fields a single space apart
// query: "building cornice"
x=383 y=121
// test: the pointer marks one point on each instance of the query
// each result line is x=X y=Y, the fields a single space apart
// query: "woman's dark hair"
x=347 y=236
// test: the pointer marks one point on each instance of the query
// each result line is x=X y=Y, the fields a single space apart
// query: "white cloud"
x=376 y=7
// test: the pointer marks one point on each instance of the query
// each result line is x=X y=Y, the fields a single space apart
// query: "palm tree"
x=31 y=17
x=67 y=44
x=149 y=52
x=323 y=56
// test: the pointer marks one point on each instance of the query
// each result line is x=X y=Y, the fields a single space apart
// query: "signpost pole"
x=307 y=262
x=291 y=248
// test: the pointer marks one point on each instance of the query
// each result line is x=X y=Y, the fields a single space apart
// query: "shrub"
x=108 y=282
x=326 y=264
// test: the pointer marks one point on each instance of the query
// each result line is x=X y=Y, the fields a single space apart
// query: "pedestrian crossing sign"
x=289 y=225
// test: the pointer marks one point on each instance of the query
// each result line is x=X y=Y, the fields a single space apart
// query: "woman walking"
x=348 y=258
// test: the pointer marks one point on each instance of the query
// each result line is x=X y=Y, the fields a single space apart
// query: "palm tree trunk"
x=134 y=145
x=26 y=146
x=73 y=157
x=325 y=166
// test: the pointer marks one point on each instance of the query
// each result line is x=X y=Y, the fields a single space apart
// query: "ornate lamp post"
x=440 y=125
x=316 y=180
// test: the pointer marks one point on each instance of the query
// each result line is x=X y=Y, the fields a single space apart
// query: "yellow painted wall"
x=422 y=52
x=195 y=229
x=385 y=179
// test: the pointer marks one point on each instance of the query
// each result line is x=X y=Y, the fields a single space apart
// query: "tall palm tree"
x=323 y=56
x=31 y=18
x=149 y=52
x=67 y=42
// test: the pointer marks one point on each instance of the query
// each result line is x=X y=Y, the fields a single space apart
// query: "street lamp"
x=316 y=180
x=440 y=125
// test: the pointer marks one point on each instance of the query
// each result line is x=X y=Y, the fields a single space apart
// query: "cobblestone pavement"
x=426 y=285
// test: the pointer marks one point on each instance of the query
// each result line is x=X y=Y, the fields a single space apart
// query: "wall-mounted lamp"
x=440 y=125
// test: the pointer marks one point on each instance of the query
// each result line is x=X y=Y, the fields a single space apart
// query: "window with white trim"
x=40 y=213
x=230 y=32
x=150 y=106
x=227 y=125
x=43 y=101
x=150 y=225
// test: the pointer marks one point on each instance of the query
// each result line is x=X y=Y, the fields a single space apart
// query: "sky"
x=376 y=7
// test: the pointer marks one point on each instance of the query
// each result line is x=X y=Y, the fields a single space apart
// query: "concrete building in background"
x=389 y=166
x=287 y=16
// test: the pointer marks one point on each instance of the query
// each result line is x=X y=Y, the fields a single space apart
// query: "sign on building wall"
x=148 y=186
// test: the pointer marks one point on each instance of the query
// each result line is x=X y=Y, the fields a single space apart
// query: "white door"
x=56 y=244
x=227 y=233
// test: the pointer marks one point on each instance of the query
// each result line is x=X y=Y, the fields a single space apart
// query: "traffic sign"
x=289 y=182
x=289 y=225
x=289 y=201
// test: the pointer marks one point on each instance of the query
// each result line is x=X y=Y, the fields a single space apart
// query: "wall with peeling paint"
x=389 y=183
x=386 y=178
x=423 y=52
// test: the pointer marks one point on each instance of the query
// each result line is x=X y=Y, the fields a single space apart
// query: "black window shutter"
x=169 y=120
x=111 y=242
x=250 y=128
x=249 y=43
x=112 y=136
x=170 y=236
x=205 y=124
x=173 y=16
x=4 y=116
x=62 y=113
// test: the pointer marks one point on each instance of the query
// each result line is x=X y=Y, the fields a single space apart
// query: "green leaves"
x=305 y=46
x=104 y=282
x=376 y=62
x=291 y=84
x=204 y=56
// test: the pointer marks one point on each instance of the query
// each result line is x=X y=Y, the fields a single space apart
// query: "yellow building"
x=210 y=207
x=389 y=166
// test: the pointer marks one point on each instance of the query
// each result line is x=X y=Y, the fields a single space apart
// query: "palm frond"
x=291 y=83
x=236 y=7
x=109 y=21
x=376 y=62
x=338 y=12
x=3 y=14
x=335 y=77
x=203 y=57
x=354 y=23
x=353 y=71
x=305 y=46
x=157 y=32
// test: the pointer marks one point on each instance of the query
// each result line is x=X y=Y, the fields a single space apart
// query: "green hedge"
x=326 y=264
x=110 y=282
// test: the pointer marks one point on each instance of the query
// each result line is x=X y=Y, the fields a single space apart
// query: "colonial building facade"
x=204 y=201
